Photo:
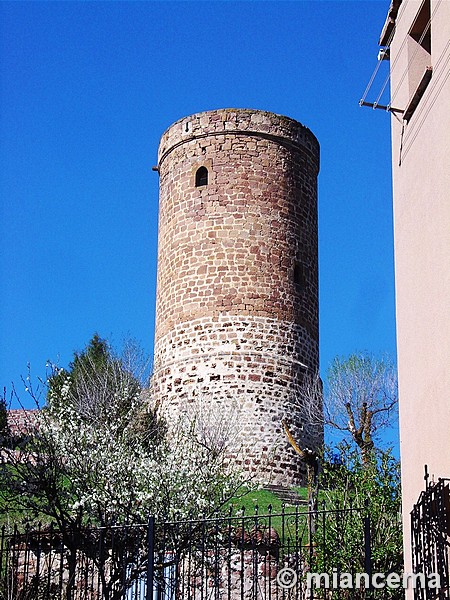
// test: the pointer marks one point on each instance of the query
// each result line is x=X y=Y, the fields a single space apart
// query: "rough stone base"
x=245 y=371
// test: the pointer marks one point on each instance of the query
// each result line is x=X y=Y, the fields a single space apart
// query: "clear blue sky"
x=87 y=89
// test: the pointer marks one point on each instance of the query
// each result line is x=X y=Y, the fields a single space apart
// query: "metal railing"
x=430 y=538
x=222 y=557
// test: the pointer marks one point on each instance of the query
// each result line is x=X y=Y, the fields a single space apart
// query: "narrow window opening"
x=298 y=276
x=201 y=177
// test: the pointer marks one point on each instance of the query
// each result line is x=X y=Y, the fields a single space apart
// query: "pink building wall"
x=421 y=189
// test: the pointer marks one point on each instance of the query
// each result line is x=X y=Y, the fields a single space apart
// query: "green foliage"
x=94 y=365
x=102 y=387
x=5 y=433
x=100 y=452
x=348 y=484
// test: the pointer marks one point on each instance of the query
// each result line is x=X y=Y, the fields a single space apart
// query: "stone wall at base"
x=248 y=366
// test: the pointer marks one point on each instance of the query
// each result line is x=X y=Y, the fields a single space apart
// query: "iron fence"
x=45 y=563
x=430 y=539
x=223 y=557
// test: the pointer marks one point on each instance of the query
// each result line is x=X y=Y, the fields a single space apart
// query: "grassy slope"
x=262 y=499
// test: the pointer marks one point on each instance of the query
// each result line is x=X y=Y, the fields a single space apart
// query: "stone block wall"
x=22 y=422
x=237 y=291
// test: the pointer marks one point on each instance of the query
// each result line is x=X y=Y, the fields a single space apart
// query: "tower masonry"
x=237 y=289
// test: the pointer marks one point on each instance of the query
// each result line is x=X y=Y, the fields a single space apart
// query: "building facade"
x=417 y=34
x=237 y=288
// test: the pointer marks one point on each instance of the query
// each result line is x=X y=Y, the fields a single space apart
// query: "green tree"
x=101 y=451
x=79 y=384
x=101 y=454
x=349 y=485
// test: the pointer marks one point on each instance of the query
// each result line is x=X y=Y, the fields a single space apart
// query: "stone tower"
x=237 y=290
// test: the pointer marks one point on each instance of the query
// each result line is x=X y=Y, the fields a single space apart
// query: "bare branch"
x=360 y=398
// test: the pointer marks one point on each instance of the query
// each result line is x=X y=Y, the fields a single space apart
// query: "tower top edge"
x=242 y=121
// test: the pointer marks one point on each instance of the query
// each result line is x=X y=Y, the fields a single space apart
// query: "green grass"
x=263 y=499
x=302 y=492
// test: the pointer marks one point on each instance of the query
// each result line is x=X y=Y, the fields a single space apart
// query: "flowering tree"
x=99 y=454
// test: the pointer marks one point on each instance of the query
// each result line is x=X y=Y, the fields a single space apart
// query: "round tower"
x=237 y=289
